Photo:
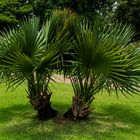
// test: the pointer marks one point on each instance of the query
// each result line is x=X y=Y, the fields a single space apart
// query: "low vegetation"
x=112 y=119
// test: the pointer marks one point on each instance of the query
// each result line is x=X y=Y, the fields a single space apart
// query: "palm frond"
x=104 y=59
x=34 y=48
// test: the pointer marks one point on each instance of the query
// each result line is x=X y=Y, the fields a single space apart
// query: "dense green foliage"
x=86 y=8
x=11 y=11
x=14 y=10
x=128 y=11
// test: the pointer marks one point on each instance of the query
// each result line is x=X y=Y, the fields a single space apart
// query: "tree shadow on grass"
x=116 y=119
x=113 y=119
x=123 y=114
x=15 y=111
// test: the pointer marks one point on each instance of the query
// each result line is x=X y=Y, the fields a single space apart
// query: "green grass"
x=112 y=119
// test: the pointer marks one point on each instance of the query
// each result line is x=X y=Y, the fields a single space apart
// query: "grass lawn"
x=112 y=119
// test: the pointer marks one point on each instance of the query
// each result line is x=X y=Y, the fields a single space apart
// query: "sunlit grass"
x=112 y=119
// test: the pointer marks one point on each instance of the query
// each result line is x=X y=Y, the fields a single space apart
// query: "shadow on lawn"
x=123 y=114
x=114 y=118
x=19 y=111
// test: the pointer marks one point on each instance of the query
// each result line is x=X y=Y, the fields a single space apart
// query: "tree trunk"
x=78 y=110
x=41 y=103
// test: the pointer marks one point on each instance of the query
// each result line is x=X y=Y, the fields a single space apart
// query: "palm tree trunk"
x=39 y=96
x=41 y=103
x=78 y=110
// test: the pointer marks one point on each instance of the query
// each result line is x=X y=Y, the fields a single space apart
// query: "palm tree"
x=31 y=53
x=102 y=59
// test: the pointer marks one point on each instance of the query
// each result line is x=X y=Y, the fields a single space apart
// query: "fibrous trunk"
x=79 y=110
x=39 y=96
x=41 y=103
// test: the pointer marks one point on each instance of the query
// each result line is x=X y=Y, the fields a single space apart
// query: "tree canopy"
x=43 y=8
x=11 y=11
x=128 y=11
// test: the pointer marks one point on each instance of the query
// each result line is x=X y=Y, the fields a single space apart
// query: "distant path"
x=60 y=79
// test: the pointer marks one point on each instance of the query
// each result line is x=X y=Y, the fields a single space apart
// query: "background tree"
x=86 y=8
x=43 y=9
x=128 y=11
x=12 y=11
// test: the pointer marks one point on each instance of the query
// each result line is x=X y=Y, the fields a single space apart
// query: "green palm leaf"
x=102 y=52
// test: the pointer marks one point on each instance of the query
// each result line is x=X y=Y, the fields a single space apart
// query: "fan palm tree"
x=31 y=53
x=102 y=59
